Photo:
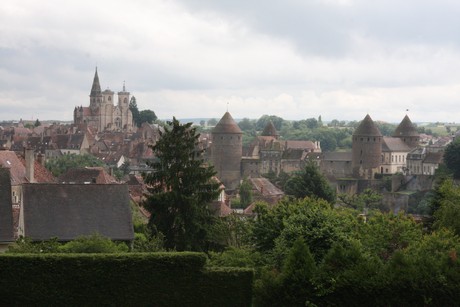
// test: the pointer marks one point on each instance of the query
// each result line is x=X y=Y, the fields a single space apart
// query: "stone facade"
x=102 y=113
x=226 y=151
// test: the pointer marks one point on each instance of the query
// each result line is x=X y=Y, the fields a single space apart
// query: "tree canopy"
x=60 y=165
x=452 y=158
x=310 y=182
x=181 y=188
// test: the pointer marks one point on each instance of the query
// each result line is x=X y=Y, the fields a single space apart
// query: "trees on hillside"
x=181 y=188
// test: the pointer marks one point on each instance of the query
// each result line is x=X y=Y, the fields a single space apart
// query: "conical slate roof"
x=96 y=88
x=367 y=127
x=227 y=125
x=405 y=128
x=270 y=129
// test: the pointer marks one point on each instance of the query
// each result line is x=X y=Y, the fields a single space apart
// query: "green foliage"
x=447 y=215
x=235 y=257
x=368 y=199
x=265 y=119
x=37 y=123
x=60 y=165
x=162 y=279
x=452 y=158
x=24 y=245
x=245 y=193
x=147 y=116
x=181 y=187
x=135 y=111
x=311 y=183
x=212 y=122
x=93 y=244
x=384 y=234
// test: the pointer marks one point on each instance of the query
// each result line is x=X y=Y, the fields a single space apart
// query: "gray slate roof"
x=67 y=211
x=6 y=212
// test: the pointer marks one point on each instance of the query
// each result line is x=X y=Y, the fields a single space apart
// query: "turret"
x=227 y=150
x=407 y=132
x=95 y=94
x=366 y=149
x=270 y=130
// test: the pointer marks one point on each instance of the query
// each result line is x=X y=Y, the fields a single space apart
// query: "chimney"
x=29 y=156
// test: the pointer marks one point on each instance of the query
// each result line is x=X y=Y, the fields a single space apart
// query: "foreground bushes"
x=162 y=279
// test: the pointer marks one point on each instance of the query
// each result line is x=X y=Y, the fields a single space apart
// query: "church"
x=103 y=114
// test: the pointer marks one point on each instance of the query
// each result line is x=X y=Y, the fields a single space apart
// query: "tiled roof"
x=10 y=160
x=227 y=125
x=434 y=157
x=86 y=175
x=337 y=156
x=367 y=127
x=67 y=211
x=270 y=130
x=405 y=128
x=6 y=213
x=394 y=144
x=308 y=145
x=265 y=187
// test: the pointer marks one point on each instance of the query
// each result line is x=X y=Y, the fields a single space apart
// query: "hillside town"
x=105 y=129
x=40 y=205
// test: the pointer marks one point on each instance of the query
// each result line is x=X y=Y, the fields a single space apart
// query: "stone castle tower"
x=407 y=132
x=226 y=151
x=366 y=149
x=103 y=113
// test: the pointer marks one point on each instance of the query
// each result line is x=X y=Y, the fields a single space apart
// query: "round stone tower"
x=226 y=151
x=407 y=132
x=366 y=149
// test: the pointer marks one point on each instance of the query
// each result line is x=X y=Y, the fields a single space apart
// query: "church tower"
x=366 y=149
x=96 y=93
x=126 y=115
x=226 y=151
x=407 y=132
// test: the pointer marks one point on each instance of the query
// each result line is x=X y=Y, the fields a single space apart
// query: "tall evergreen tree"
x=134 y=111
x=181 y=188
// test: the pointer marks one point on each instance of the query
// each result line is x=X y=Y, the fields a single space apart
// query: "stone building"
x=226 y=151
x=366 y=149
x=103 y=113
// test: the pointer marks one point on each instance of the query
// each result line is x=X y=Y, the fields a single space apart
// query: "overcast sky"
x=340 y=59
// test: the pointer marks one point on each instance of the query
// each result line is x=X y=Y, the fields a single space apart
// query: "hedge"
x=154 y=279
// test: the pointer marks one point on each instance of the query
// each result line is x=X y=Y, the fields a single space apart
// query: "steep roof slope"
x=367 y=127
x=405 y=128
x=227 y=125
x=67 y=211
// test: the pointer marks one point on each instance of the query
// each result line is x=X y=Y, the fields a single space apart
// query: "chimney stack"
x=29 y=156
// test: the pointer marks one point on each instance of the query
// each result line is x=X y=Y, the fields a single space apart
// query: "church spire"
x=96 y=88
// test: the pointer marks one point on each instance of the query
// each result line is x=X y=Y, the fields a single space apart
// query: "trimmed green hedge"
x=155 y=279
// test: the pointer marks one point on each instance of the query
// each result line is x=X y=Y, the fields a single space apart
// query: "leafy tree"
x=247 y=124
x=312 y=123
x=245 y=193
x=310 y=182
x=452 y=158
x=384 y=234
x=60 y=165
x=447 y=214
x=265 y=119
x=135 y=111
x=202 y=123
x=212 y=122
x=147 y=116
x=368 y=199
x=181 y=187
x=37 y=123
